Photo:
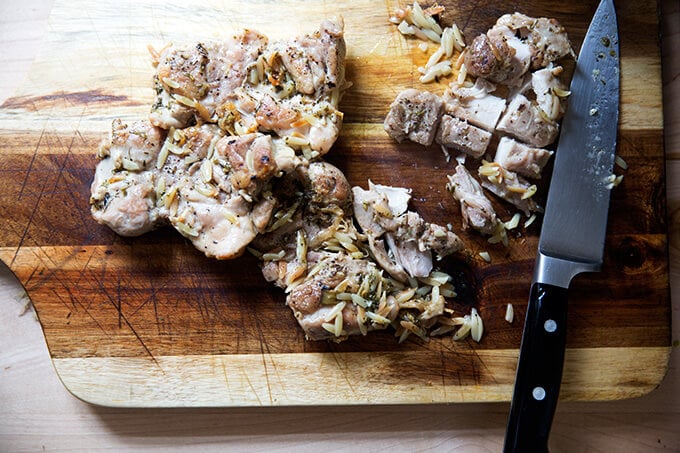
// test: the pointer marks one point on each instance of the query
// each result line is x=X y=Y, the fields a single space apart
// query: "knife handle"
x=539 y=370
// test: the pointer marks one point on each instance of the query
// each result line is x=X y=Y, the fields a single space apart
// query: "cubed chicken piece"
x=462 y=136
x=476 y=208
x=509 y=186
x=526 y=122
x=520 y=158
x=489 y=59
x=516 y=63
x=475 y=104
x=547 y=37
x=414 y=115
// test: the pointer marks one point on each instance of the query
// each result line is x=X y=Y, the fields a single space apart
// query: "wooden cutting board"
x=149 y=321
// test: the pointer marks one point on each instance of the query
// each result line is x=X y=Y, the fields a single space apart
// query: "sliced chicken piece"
x=509 y=186
x=375 y=209
x=381 y=212
x=527 y=122
x=414 y=115
x=407 y=254
x=373 y=212
x=547 y=37
x=386 y=259
x=123 y=195
x=462 y=136
x=520 y=158
x=476 y=208
x=475 y=105
x=550 y=92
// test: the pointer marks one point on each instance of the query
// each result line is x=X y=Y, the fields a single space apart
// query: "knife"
x=573 y=231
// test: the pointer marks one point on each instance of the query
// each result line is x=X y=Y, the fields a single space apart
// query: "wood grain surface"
x=151 y=322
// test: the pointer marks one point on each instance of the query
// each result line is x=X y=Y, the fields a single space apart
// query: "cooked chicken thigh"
x=237 y=114
x=333 y=274
x=381 y=212
x=547 y=38
x=245 y=84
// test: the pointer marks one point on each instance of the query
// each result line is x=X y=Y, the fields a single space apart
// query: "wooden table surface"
x=37 y=413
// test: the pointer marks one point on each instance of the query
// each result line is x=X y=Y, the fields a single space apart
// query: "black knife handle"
x=539 y=370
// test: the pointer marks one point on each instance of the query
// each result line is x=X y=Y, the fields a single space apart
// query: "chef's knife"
x=573 y=231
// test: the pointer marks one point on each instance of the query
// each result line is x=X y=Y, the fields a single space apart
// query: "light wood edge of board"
x=590 y=374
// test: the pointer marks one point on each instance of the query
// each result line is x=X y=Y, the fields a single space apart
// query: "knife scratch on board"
x=265 y=345
x=29 y=223
x=226 y=375
x=123 y=319
x=469 y=17
x=263 y=354
x=252 y=387
x=343 y=370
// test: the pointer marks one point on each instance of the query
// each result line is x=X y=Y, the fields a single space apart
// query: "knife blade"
x=573 y=232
